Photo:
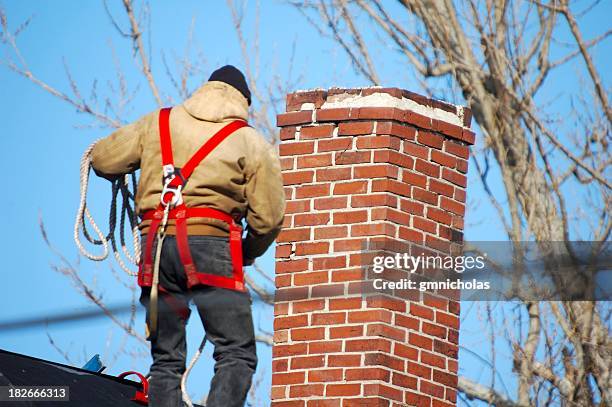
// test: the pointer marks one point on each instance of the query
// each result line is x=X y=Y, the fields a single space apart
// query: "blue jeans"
x=225 y=314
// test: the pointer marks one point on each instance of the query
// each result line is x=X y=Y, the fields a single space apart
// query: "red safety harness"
x=174 y=180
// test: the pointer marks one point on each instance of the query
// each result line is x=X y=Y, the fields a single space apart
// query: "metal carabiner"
x=177 y=195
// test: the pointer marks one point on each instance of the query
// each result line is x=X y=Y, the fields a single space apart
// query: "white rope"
x=102 y=240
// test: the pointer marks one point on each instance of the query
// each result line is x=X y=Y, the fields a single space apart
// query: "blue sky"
x=43 y=139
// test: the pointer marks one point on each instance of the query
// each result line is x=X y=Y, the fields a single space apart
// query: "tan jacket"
x=241 y=176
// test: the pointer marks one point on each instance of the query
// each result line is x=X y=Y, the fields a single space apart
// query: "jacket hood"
x=216 y=102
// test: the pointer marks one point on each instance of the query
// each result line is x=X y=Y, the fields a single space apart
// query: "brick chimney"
x=360 y=165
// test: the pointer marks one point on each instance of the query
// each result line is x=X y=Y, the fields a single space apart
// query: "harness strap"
x=164 y=136
x=203 y=151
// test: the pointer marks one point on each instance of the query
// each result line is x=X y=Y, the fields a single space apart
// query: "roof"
x=85 y=387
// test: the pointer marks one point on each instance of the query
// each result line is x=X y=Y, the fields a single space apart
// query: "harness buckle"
x=169 y=174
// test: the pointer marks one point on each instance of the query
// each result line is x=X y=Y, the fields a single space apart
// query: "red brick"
x=424 y=196
x=430 y=139
x=302 y=249
x=378 y=315
x=355 y=128
x=287 y=133
x=383 y=390
x=283 y=251
x=335 y=144
x=441 y=188
x=331 y=203
x=307 y=362
x=287 y=163
x=290 y=322
x=457 y=149
x=314 y=161
x=300 y=279
x=424 y=167
x=324 y=347
x=291 y=266
x=360 y=201
x=328 y=318
x=421 y=311
x=449 y=129
x=393 y=157
x=280 y=365
x=417 y=400
x=418 y=369
x=350 y=217
x=445 y=348
x=348 y=331
x=390 y=185
x=328 y=290
x=288 y=378
x=433 y=360
x=419 y=120
x=414 y=208
x=331 y=232
x=454 y=177
x=325 y=375
x=447 y=319
x=376 y=171
x=292 y=403
x=452 y=206
x=331 y=115
x=306 y=390
x=310 y=191
x=298 y=307
x=333 y=174
x=293 y=118
x=416 y=150
x=439 y=216
x=293 y=235
x=279 y=351
x=406 y=352
x=432 y=389
x=350 y=188
x=462 y=166
x=373 y=142
x=296 y=148
x=468 y=136
x=345 y=303
x=410 y=235
x=367 y=374
x=404 y=381
x=343 y=360
x=298 y=206
x=316 y=132
x=447 y=379
x=311 y=219
x=386 y=331
x=395 y=129
x=420 y=341
x=297 y=99
x=413 y=178
x=336 y=390
x=373 y=229
x=327 y=263
x=367 y=345
x=443 y=159
x=352 y=157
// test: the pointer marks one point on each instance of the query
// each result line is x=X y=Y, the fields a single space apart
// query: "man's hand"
x=248 y=262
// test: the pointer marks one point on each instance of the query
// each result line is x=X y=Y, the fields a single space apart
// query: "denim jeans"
x=227 y=320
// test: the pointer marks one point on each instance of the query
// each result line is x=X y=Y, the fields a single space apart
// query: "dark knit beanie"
x=233 y=77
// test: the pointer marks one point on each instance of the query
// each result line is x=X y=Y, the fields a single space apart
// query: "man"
x=240 y=177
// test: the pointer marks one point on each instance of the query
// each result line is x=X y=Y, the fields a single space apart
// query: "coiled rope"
x=121 y=185
x=127 y=213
